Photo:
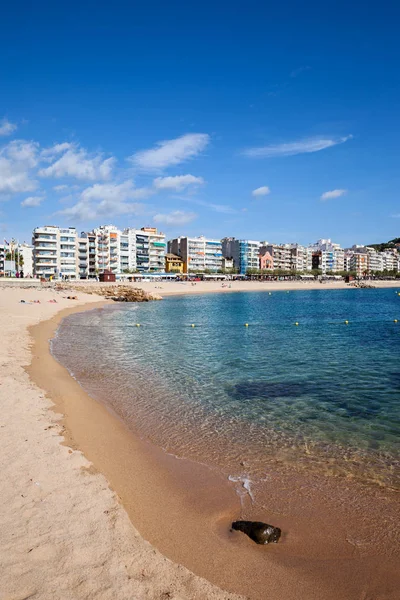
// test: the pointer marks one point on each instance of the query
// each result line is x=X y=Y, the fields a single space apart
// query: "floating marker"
x=296 y=323
x=346 y=322
x=246 y=324
x=193 y=325
x=270 y=294
x=137 y=324
x=394 y=320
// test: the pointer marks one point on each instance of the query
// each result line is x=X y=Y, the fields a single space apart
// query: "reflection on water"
x=323 y=395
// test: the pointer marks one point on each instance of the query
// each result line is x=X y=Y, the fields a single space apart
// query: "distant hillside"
x=385 y=245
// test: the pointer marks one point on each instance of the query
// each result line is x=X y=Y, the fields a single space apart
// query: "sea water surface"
x=323 y=395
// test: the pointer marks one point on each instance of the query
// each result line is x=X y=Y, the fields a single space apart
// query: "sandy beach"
x=64 y=533
x=75 y=487
x=167 y=288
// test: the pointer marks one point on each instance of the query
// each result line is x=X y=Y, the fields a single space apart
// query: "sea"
x=250 y=381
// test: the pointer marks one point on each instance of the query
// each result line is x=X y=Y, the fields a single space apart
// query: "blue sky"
x=252 y=119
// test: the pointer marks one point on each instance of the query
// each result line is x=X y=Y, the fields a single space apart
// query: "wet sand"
x=339 y=538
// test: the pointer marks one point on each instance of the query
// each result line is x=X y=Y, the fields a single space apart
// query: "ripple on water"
x=321 y=396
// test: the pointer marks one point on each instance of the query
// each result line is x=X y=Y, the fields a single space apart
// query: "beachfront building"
x=301 y=258
x=130 y=250
x=55 y=252
x=266 y=260
x=365 y=260
x=156 y=246
x=281 y=255
x=173 y=263
x=227 y=264
x=245 y=253
x=327 y=256
x=21 y=253
x=199 y=254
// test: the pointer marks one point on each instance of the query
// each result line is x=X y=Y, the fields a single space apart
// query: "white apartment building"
x=365 y=260
x=55 y=252
x=109 y=248
x=199 y=254
x=301 y=257
x=328 y=256
x=245 y=253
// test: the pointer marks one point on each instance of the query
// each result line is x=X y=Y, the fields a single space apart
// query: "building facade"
x=245 y=253
x=199 y=254
x=173 y=263
x=55 y=252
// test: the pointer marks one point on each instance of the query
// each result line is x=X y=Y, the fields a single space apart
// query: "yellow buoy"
x=296 y=323
x=137 y=324
x=346 y=322
x=193 y=325
x=246 y=324
x=395 y=321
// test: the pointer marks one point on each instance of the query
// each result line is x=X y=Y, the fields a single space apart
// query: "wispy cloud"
x=105 y=200
x=7 y=128
x=76 y=162
x=261 y=191
x=176 y=217
x=299 y=71
x=396 y=216
x=331 y=195
x=304 y=146
x=219 y=208
x=32 y=201
x=177 y=183
x=170 y=152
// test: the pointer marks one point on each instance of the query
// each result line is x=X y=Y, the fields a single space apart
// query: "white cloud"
x=60 y=188
x=113 y=191
x=177 y=183
x=17 y=159
x=32 y=201
x=171 y=152
x=333 y=194
x=57 y=149
x=303 y=146
x=176 y=217
x=7 y=128
x=396 y=216
x=261 y=191
x=106 y=200
x=77 y=162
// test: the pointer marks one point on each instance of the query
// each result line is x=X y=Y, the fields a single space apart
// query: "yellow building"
x=173 y=264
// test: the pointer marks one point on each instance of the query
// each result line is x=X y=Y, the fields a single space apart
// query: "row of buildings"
x=62 y=252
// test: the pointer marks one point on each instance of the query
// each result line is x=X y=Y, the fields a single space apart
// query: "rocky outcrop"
x=260 y=533
x=118 y=293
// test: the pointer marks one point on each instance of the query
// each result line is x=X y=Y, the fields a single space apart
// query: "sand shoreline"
x=172 y=288
x=64 y=531
x=226 y=561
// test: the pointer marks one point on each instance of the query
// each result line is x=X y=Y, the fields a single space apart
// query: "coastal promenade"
x=64 y=534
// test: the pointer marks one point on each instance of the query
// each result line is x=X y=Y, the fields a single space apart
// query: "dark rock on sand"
x=260 y=533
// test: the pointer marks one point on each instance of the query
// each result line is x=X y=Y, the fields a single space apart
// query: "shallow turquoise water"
x=322 y=394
